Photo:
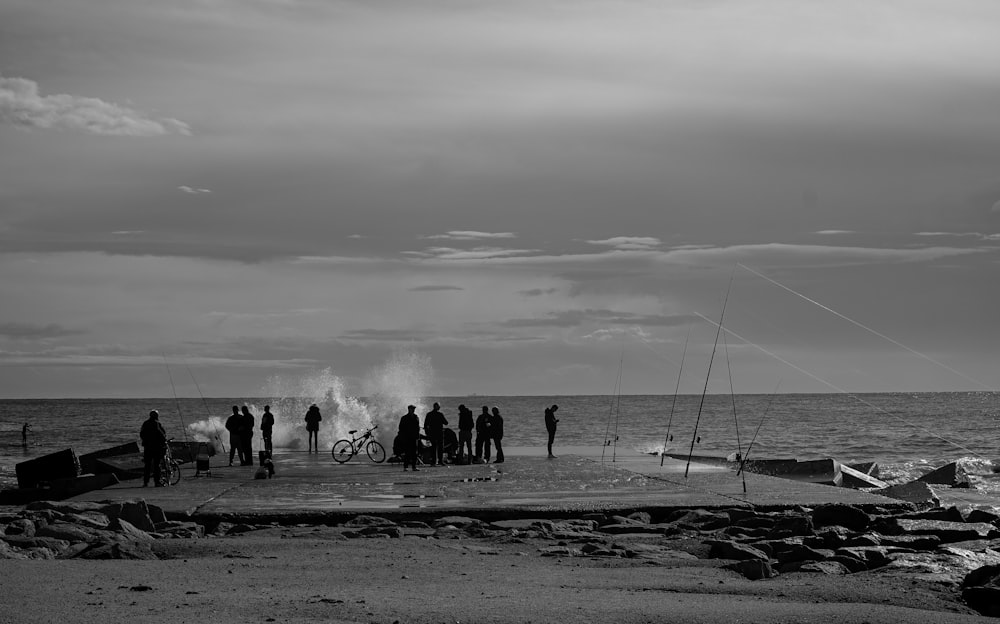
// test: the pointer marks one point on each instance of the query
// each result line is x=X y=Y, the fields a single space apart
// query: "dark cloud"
x=538 y=292
x=401 y=335
x=28 y=331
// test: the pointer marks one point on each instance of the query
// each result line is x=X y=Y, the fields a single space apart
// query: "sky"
x=524 y=197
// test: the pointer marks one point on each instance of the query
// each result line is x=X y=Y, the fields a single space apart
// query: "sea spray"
x=404 y=379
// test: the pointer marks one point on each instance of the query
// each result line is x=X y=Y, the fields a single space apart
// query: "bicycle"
x=344 y=450
x=170 y=468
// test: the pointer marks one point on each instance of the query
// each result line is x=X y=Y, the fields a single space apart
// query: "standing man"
x=312 y=426
x=550 y=426
x=233 y=424
x=483 y=435
x=496 y=432
x=434 y=423
x=466 y=424
x=154 y=447
x=266 y=426
x=24 y=435
x=247 y=437
x=409 y=435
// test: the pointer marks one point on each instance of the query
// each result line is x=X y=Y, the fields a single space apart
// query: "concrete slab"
x=313 y=488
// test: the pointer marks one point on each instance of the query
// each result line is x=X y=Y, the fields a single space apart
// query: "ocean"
x=908 y=434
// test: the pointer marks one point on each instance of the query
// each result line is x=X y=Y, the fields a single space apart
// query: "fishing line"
x=754 y=438
x=841 y=390
x=732 y=395
x=177 y=402
x=208 y=412
x=611 y=408
x=673 y=405
x=866 y=328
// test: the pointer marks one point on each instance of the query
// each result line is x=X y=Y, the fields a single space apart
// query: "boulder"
x=135 y=513
x=824 y=567
x=947 y=531
x=839 y=514
x=365 y=520
x=459 y=522
x=981 y=590
x=128 y=530
x=952 y=475
x=64 y=531
x=753 y=569
x=700 y=519
x=721 y=549
x=917 y=492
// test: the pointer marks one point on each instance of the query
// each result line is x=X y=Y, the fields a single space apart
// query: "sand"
x=315 y=574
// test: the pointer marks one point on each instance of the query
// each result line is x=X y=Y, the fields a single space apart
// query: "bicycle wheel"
x=175 y=473
x=376 y=452
x=343 y=450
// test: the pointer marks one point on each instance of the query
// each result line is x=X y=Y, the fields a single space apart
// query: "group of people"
x=240 y=427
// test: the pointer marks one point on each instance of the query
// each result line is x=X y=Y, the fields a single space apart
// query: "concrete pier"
x=314 y=488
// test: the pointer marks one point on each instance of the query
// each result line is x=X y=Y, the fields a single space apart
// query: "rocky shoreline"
x=958 y=550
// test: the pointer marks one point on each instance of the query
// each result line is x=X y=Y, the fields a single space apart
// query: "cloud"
x=28 y=331
x=629 y=242
x=477 y=253
x=834 y=232
x=433 y=288
x=194 y=191
x=538 y=292
x=470 y=235
x=575 y=318
x=401 y=335
x=21 y=105
x=128 y=232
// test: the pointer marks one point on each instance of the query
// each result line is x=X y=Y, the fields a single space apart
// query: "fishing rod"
x=611 y=408
x=701 y=405
x=208 y=412
x=177 y=401
x=732 y=394
x=754 y=438
x=673 y=405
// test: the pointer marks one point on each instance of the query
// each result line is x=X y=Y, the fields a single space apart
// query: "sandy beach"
x=313 y=574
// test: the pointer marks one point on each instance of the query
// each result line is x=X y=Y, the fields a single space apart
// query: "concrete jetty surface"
x=314 y=488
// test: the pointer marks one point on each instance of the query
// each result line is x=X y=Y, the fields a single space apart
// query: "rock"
x=985 y=600
x=238 y=529
x=156 y=514
x=947 y=531
x=558 y=551
x=460 y=522
x=64 y=531
x=852 y=564
x=952 y=475
x=916 y=542
x=21 y=526
x=801 y=553
x=917 y=492
x=790 y=525
x=134 y=512
x=753 y=569
x=620 y=529
x=129 y=531
x=980 y=515
x=641 y=517
x=824 y=567
x=699 y=519
x=186 y=529
x=873 y=556
x=830 y=537
x=721 y=549
x=124 y=549
x=841 y=515
x=89 y=519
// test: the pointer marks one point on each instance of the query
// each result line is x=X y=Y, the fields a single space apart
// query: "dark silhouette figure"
x=434 y=423
x=409 y=436
x=246 y=436
x=24 y=434
x=496 y=432
x=466 y=423
x=483 y=435
x=154 y=447
x=233 y=425
x=550 y=426
x=266 y=426
x=312 y=426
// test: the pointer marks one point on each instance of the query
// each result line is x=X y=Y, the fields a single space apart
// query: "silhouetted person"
x=266 y=427
x=550 y=426
x=154 y=447
x=409 y=435
x=24 y=434
x=247 y=436
x=483 y=435
x=434 y=423
x=466 y=423
x=312 y=426
x=233 y=424
x=496 y=432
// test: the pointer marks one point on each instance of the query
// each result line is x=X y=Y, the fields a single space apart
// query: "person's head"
x=267 y=408
x=154 y=415
x=246 y=410
x=411 y=408
x=554 y=408
x=437 y=406
x=496 y=411
x=461 y=407
x=236 y=410
x=486 y=410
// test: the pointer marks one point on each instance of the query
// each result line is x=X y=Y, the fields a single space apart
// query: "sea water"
x=907 y=434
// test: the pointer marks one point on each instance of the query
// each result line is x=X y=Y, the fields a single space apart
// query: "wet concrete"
x=313 y=488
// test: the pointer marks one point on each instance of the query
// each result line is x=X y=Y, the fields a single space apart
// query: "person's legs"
x=552 y=438
x=147 y=466
x=157 y=474
x=486 y=449
x=499 y=458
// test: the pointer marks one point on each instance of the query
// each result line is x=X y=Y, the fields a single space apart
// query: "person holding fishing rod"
x=550 y=426
x=154 y=446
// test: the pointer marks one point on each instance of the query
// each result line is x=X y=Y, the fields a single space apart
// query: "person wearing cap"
x=154 y=447
x=312 y=426
x=434 y=423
